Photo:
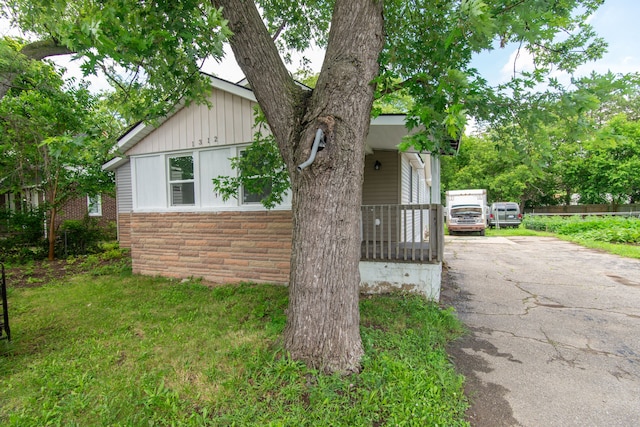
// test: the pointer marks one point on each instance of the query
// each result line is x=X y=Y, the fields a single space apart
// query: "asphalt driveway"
x=555 y=331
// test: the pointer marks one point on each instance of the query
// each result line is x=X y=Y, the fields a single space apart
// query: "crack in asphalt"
x=586 y=330
x=628 y=355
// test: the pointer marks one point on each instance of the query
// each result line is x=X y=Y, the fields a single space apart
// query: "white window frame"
x=163 y=182
x=171 y=182
x=94 y=201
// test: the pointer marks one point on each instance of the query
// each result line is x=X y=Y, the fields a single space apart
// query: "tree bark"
x=37 y=50
x=323 y=314
x=41 y=49
x=51 y=235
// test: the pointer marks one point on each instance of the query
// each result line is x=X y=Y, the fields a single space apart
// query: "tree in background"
x=610 y=163
x=54 y=138
x=373 y=48
x=555 y=145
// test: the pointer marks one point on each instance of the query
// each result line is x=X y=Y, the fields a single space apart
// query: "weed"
x=132 y=350
x=617 y=235
x=33 y=280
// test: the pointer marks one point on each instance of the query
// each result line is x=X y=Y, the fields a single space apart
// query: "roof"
x=386 y=132
x=140 y=130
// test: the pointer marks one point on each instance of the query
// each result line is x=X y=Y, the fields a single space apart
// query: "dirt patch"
x=38 y=273
x=488 y=405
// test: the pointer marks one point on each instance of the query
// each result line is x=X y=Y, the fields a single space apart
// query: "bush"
x=78 y=237
x=596 y=228
x=22 y=235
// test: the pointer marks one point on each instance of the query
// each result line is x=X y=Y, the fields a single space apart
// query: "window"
x=94 y=205
x=257 y=197
x=260 y=190
x=181 y=180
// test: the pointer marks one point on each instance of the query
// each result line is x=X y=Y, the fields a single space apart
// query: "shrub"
x=77 y=237
x=21 y=235
x=599 y=228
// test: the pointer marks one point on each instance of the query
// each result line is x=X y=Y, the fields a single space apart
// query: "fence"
x=409 y=233
x=595 y=209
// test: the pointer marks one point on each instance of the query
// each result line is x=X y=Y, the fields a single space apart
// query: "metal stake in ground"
x=4 y=326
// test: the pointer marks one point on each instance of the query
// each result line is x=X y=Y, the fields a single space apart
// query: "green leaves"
x=155 y=48
x=260 y=170
x=549 y=148
x=53 y=135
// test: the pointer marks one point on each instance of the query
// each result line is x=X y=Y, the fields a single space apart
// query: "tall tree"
x=14 y=61
x=373 y=48
x=53 y=138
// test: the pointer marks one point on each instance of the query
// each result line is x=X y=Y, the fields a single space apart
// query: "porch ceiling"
x=386 y=132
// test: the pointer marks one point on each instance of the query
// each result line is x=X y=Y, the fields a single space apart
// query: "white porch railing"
x=408 y=233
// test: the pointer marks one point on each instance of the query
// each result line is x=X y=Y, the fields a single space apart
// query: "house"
x=177 y=226
x=102 y=207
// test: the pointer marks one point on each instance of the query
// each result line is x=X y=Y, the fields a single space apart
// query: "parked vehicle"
x=466 y=211
x=504 y=214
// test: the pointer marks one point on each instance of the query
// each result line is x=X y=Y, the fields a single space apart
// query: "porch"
x=402 y=248
x=402 y=233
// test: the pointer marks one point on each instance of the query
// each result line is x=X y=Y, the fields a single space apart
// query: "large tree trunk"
x=323 y=315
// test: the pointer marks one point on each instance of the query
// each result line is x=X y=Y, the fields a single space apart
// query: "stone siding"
x=124 y=230
x=221 y=247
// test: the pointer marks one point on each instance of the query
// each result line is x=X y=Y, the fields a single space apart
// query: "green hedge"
x=612 y=229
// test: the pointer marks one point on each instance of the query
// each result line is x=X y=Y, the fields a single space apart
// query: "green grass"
x=625 y=250
x=617 y=235
x=510 y=231
x=125 y=350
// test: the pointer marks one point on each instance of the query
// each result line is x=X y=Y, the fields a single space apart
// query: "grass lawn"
x=123 y=350
x=623 y=249
x=615 y=235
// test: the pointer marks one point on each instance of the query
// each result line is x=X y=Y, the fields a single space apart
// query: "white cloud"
x=519 y=60
x=228 y=68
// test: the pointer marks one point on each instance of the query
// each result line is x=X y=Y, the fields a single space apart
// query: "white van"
x=504 y=214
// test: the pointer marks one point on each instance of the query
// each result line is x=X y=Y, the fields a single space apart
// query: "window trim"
x=170 y=182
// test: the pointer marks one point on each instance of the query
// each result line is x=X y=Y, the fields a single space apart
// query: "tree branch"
x=43 y=49
x=279 y=30
x=36 y=51
x=257 y=56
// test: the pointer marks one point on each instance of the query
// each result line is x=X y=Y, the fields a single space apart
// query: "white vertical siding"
x=228 y=121
x=218 y=116
x=212 y=164
x=413 y=191
x=405 y=180
x=247 y=123
x=124 y=197
x=149 y=175
x=405 y=189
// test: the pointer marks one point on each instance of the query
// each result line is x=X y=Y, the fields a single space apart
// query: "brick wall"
x=77 y=209
x=221 y=247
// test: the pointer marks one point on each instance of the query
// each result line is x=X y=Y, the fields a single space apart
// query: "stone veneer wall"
x=221 y=247
x=124 y=230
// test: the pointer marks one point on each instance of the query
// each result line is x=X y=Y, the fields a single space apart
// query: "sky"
x=616 y=21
